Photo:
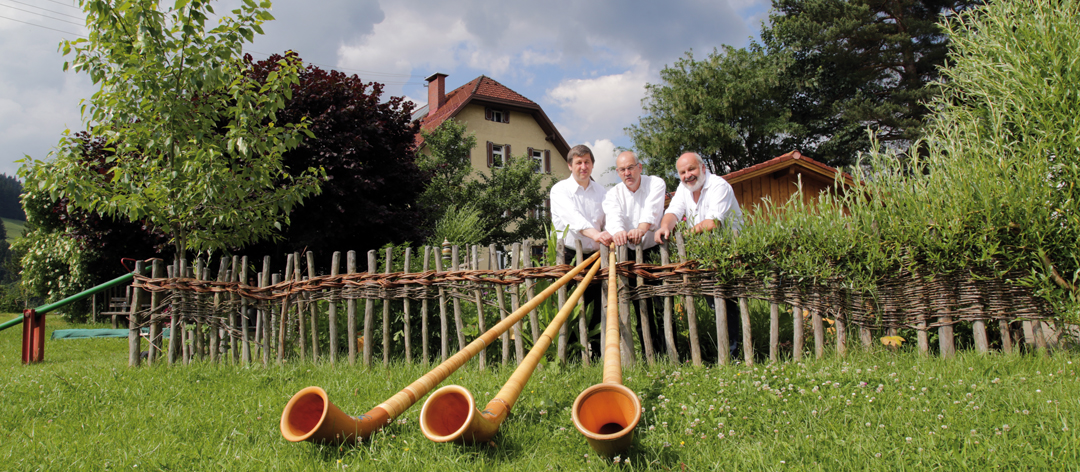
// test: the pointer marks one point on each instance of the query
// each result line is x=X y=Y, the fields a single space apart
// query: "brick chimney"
x=436 y=92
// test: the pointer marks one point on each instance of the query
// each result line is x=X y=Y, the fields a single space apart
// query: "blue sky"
x=585 y=62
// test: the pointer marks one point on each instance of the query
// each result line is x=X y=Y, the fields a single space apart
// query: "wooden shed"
x=778 y=179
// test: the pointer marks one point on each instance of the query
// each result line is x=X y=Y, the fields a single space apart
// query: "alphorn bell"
x=607 y=413
x=310 y=416
x=450 y=414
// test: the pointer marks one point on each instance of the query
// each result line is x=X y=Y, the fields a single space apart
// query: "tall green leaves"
x=197 y=144
x=994 y=192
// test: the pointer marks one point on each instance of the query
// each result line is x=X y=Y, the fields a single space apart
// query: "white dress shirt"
x=716 y=202
x=577 y=208
x=625 y=210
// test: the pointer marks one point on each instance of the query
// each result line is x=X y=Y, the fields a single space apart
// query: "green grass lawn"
x=84 y=409
x=14 y=228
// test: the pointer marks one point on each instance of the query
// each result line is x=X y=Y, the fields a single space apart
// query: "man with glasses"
x=632 y=210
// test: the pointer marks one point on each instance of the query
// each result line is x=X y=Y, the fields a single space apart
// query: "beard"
x=694 y=187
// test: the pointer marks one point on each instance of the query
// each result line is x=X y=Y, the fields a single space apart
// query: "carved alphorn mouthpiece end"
x=310 y=416
x=606 y=414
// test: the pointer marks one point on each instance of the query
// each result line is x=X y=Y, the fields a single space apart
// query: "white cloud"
x=600 y=106
x=605 y=152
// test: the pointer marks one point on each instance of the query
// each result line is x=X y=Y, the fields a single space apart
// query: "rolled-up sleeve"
x=613 y=210
x=653 y=209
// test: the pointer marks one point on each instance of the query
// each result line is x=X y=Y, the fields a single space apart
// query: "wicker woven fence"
x=291 y=313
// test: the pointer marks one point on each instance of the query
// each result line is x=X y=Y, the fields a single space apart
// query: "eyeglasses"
x=627 y=168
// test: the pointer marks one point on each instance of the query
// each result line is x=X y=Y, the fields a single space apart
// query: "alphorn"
x=450 y=414
x=310 y=416
x=607 y=413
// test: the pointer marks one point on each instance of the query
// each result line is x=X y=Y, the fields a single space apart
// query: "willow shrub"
x=991 y=190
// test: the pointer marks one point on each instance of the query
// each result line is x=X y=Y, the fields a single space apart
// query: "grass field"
x=14 y=228
x=84 y=409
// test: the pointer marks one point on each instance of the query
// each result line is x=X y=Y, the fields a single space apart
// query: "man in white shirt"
x=577 y=214
x=706 y=200
x=632 y=212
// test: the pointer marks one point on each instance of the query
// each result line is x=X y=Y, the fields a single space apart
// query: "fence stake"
x=458 y=326
x=332 y=323
x=747 y=341
x=841 y=334
x=564 y=332
x=797 y=336
x=134 y=335
x=583 y=319
x=386 y=311
x=350 y=309
x=283 y=319
x=534 y=320
x=475 y=265
x=774 y=332
x=626 y=333
x=369 y=313
x=501 y=301
x=691 y=311
x=669 y=325
x=515 y=263
x=444 y=328
x=313 y=308
x=978 y=329
x=644 y=314
x=819 y=334
x=406 y=328
x=424 y=310
x=1006 y=336
x=156 y=271
x=266 y=313
x=242 y=277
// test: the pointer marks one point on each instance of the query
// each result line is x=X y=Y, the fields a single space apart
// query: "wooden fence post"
x=301 y=309
x=797 y=336
x=723 y=343
x=819 y=334
x=691 y=310
x=458 y=325
x=774 y=331
x=603 y=302
x=245 y=324
x=407 y=329
x=866 y=337
x=515 y=263
x=265 y=314
x=747 y=341
x=644 y=315
x=1006 y=336
x=134 y=332
x=313 y=307
x=626 y=330
x=978 y=331
x=156 y=271
x=215 y=332
x=564 y=332
x=444 y=328
x=369 y=312
x=200 y=340
x=233 y=276
x=669 y=326
x=530 y=291
x=481 y=326
x=275 y=320
x=424 y=311
x=283 y=320
x=841 y=333
x=386 y=311
x=350 y=310
x=583 y=321
x=500 y=299
x=331 y=315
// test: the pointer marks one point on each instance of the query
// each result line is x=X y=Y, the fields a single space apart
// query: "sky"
x=585 y=62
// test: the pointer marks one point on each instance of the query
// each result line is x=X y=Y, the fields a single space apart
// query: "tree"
x=826 y=71
x=859 y=64
x=197 y=146
x=731 y=108
x=507 y=200
x=10 y=190
x=367 y=148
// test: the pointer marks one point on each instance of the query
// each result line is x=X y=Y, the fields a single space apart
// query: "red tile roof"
x=487 y=90
x=793 y=158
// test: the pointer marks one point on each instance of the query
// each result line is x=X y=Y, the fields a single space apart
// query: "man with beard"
x=632 y=211
x=706 y=201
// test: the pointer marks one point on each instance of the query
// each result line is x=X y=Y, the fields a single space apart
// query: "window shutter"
x=529 y=153
x=506 y=155
x=547 y=162
x=487 y=115
x=490 y=159
x=506 y=116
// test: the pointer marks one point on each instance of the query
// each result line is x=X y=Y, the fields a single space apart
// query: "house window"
x=497 y=115
x=497 y=154
x=542 y=158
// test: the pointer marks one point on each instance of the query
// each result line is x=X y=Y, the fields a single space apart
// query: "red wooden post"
x=33 y=345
